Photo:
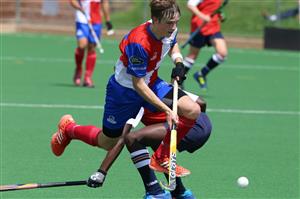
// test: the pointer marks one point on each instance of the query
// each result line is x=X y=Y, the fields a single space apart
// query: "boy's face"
x=166 y=27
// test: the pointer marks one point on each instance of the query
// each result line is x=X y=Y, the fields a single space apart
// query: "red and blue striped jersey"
x=141 y=55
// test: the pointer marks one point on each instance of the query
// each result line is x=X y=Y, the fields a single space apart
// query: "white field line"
x=111 y=62
x=268 y=53
x=235 y=50
x=21 y=105
x=212 y=110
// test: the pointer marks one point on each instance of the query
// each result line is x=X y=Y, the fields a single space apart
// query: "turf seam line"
x=212 y=110
x=105 y=62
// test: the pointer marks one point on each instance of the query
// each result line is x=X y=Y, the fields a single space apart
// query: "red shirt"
x=207 y=7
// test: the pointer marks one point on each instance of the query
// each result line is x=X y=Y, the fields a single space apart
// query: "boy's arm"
x=178 y=72
x=75 y=4
x=106 y=10
x=112 y=154
x=193 y=8
x=97 y=178
x=106 y=13
x=175 y=54
x=143 y=90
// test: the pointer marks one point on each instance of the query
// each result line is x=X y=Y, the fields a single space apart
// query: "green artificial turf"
x=253 y=103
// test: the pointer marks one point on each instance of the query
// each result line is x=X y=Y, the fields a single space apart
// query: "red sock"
x=90 y=63
x=79 y=55
x=183 y=126
x=87 y=134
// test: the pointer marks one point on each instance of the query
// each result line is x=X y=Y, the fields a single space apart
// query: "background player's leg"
x=79 y=55
x=189 y=60
x=90 y=65
x=214 y=61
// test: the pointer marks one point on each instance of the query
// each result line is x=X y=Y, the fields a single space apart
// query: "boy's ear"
x=155 y=20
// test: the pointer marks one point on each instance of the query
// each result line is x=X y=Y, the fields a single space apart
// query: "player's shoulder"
x=139 y=35
x=139 y=32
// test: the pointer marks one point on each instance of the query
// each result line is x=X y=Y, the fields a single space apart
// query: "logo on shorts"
x=152 y=183
x=111 y=119
x=79 y=33
x=136 y=60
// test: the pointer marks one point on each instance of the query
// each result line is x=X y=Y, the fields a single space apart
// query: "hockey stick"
x=98 y=43
x=173 y=146
x=16 y=187
x=135 y=121
x=193 y=34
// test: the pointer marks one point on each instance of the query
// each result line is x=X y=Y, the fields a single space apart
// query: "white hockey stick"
x=98 y=43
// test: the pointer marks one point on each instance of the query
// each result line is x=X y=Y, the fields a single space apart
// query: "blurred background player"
x=210 y=35
x=88 y=10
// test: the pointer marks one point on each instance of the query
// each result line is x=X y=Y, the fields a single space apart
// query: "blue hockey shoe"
x=165 y=195
x=201 y=80
x=186 y=195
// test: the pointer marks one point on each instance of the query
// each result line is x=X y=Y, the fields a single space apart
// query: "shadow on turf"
x=65 y=85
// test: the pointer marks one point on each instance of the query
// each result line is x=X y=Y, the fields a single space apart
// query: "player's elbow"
x=137 y=83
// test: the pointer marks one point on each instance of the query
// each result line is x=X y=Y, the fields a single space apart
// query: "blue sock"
x=211 y=64
x=141 y=160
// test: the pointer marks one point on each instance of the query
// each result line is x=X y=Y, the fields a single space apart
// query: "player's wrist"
x=109 y=25
x=179 y=71
x=179 y=65
x=177 y=56
x=102 y=171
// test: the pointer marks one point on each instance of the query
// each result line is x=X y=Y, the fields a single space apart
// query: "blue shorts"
x=197 y=136
x=200 y=40
x=161 y=89
x=83 y=31
x=123 y=103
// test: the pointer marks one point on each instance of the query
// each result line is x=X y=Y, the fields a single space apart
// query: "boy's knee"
x=197 y=135
x=195 y=111
x=189 y=108
x=220 y=57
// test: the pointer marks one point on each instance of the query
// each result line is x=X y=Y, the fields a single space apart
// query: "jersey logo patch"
x=136 y=60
